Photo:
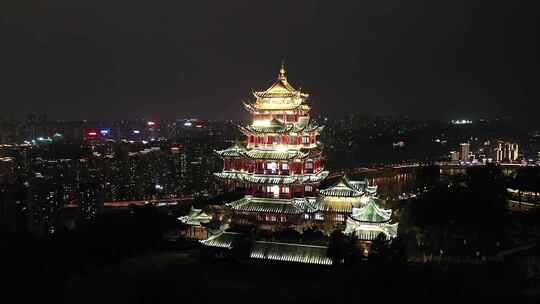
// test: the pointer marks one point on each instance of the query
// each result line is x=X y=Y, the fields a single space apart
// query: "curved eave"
x=265 y=130
x=356 y=195
x=249 y=107
x=277 y=94
x=370 y=222
x=272 y=179
x=268 y=155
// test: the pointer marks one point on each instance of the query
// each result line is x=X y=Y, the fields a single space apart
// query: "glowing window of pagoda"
x=309 y=165
x=319 y=216
x=284 y=166
x=270 y=218
x=308 y=188
x=274 y=190
x=272 y=167
x=305 y=139
x=285 y=189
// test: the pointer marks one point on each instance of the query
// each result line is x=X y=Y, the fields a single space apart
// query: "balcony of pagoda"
x=261 y=194
x=303 y=191
x=271 y=172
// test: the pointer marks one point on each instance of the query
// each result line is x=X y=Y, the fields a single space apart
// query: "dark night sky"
x=106 y=59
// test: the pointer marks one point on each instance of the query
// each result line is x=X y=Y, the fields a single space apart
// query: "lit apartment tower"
x=454 y=156
x=280 y=164
x=506 y=151
x=464 y=151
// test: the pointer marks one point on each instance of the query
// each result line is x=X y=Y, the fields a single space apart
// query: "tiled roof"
x=370 y=212
x=273 y=251
x=195 y=217
x=280 y=206
x=223 y=240
x=273 y=179
x=296 y=253
x=342 y=188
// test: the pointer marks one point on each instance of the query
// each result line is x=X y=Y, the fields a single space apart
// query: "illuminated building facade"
x=464 y=152
x=505 y=151
x=280 y=165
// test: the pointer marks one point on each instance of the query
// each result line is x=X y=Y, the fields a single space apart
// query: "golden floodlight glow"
x=261 y=123
x=281 y=148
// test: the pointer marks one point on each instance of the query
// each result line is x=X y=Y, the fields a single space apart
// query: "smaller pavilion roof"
x=195 y=217
x=342 y=188
x=287 y=252
x=278 y=206
x=222 y=240
x=372 y=213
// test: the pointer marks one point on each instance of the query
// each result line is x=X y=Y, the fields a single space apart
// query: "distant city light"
x=461 y=122
x=150 y=123
x=105 y=132
x=198 y=126
x=188 y=124
x=136 y=132
x=92 y=133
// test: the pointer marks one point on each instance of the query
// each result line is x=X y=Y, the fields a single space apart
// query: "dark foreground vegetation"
x=123 y=257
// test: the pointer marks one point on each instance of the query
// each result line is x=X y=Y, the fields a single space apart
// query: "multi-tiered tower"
x=280 y=164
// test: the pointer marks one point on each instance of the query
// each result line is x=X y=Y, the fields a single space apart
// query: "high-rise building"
x=454 y=155
x=464 y=152
x=45 y=203
x=280 y=166
x=91 y=199
x=505 y=151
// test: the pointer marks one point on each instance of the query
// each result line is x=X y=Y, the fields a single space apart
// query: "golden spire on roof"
x=282 y=75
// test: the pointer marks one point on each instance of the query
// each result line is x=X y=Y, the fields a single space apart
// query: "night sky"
x=167 y=59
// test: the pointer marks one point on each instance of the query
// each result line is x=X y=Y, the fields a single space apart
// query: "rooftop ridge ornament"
x=282 y=73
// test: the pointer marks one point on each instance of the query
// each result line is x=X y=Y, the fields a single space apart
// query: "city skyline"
x=423 y=60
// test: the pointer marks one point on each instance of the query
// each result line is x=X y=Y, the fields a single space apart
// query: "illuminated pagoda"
x=280 y=166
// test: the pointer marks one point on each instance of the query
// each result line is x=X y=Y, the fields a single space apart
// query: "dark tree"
x=427 y=176
x=337 y=247
x=242 y=246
